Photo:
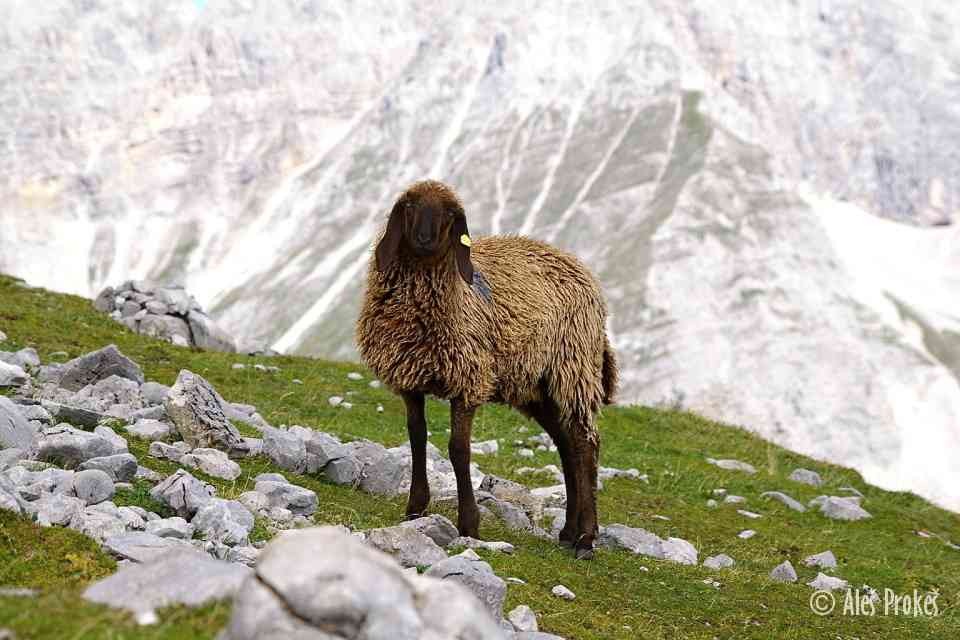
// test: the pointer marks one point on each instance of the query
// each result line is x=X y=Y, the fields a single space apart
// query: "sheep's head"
x=428 y=223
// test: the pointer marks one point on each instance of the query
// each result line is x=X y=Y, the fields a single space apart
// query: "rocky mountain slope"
x=250 y=151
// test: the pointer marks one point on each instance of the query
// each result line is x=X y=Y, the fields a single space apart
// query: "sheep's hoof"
x=567 y=539
x=584 y=554
x=566 y=544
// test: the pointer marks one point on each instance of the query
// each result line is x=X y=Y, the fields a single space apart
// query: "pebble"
x=561 y=591
x=335 y=401
x=749 y=514
x=525 y=453
x=825 y=560
x=824 y=582
x=721 y=561
x=732 y=465
x=806 y=476
x=784 y=572
x=746 y=534
x=732 y=499
x=353 y=375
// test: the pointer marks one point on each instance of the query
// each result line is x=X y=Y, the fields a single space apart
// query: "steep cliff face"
x=713 y=164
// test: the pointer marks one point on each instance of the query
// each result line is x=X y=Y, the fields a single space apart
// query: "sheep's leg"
x=461 y=421
x=546 y=416
x=587 y=446
x=417 y=430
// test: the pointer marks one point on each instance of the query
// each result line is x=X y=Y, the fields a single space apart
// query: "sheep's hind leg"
x=587 y=448
x=417 y=430
x=545 y=414
x=461 y=422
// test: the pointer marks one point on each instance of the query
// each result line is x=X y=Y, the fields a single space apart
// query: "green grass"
x=615 y=597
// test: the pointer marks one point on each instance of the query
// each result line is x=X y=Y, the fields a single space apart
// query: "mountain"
x=764 y=193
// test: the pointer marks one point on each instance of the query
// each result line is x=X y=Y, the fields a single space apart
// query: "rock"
x=99 y=524
x=478 y=577
x=246 y=555
x=856 y=492
x=749 y=514
x=74 y=415
x=170 y=328
x=3 y=336
x=197 y=412
x=410 y=547
x=36 y=412
x=721 y=561
x=436 y=527
x=98 y=365
x=35 y=484
x=525 y=453
x=297 y=499
x=70 y=447
x=488 y=447
x=843 y=509
x=733 y=499
x=561 y=591
x=517 y=494
x=56 y=509
x=343 y=471
x=183 y=493
x=784 y=572
x=104 y=302
x=26 y=359
x=806 y=476
x=144 y=473
x=141 y=546
x=174 y=577
x=711 y=503
x=15 y=431
x=523 y=618
x=609 y=473
x=679 y=550
x=824 y=582
x=93 y=486
x=254 y=501
x=746 y=534
x=784 y=499
x=353 y=375
x=732 y=465
x=825 y=560
x=285 y=449
x=12 y=375
x=175 y=527
x=300 y=590
x=226 y=521
x=212 y=462
x=10 y=457
x=121 y=467
x=634 y=540
x=513 y=516
x=119 y=443
x=134 y=518
x=271 y=477
x=473 y=543
x=153 y=430
x=335 y=401
x=208 y=335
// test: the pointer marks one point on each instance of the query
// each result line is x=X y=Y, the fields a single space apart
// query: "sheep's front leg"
x=417 y=430
x=461 y=421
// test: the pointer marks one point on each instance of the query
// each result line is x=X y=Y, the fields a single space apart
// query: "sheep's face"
x=428 y=223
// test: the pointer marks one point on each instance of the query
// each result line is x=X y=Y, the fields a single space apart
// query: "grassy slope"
x=615 y=598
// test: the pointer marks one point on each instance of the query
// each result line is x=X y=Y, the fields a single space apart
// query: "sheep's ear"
x=389 y=245
x=460 y=236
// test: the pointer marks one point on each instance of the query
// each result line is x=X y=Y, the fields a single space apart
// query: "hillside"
x=903 y=547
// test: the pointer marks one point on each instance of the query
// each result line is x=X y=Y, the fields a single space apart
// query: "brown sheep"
x=501 y=319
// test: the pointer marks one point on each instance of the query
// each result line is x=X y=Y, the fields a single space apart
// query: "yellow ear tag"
x=465 y=240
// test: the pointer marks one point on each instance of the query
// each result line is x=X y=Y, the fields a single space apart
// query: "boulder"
x=324 y=583
x=70 y=447
x=183 y=493
x=410 y=547
x=174 y=577
x=93 y=486
x=121 y=467
x=96 y=366
x=196 y=410
x=297 y=499
x=285 y=449
x=15 y=430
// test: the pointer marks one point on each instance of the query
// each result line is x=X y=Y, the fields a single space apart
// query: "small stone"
x=843 y=509
x=175 y=527
x=784 y=499
x=784 y=572
x=488 y=447
x=12 y=375
x=473 y=543
x=719 y=492
x=296 y=381
x=346 y=405
x=238 y=366
x=165 y=451
x=825 y=560
x=93 y=486
x=732 y=499
x=226 y=521
x=746 y=534
x=475 y=575
x=374 y=384
x=561 y=591
x=749 y=514
x=525 y=453
x=711 y=503
x=806 y=476
x=335 y=401
x=145 y=473
x=354 y=376
x=732 y=465
x=824 y=582
x=436 y=527
x=523 y=618
x=721 y=561
x=679 y=550
x=852 y=490
x=379 y=408
x=515 y=581
x=153 y=430
x=212 y=462
x=183 y=493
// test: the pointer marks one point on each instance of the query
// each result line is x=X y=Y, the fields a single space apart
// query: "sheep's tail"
x=610 y=373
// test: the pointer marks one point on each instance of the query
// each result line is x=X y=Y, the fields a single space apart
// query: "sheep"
x=503 y=319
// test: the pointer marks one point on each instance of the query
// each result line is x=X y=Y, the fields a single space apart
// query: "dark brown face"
x=429 y=222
